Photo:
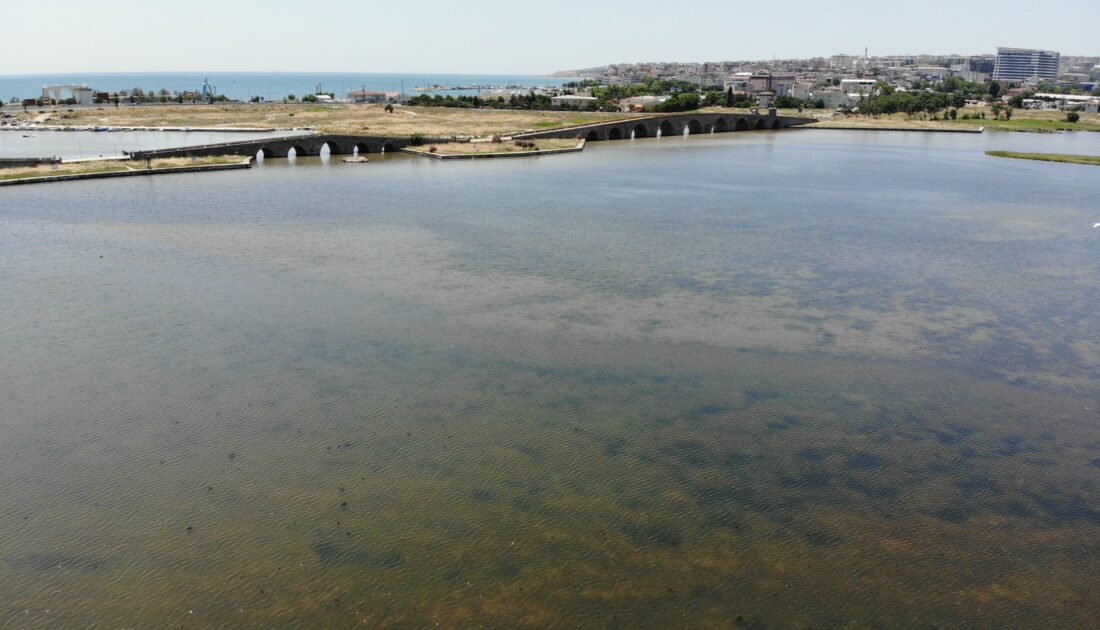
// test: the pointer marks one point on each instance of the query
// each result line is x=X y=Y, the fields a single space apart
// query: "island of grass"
x=504 y=148
x=117 y=168
x=1048 y=157
x=1028 y=120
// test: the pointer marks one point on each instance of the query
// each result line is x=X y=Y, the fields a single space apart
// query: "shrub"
x=416 y=139
x=1073 y=117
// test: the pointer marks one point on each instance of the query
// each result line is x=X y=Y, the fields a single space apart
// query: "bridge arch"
x=333 y=148
x=616 y=133
x=761 y=124
x=265 y=153
x=667 y=128
x=640 y=131
x=694 y=127
x=298 y=150
x=593 y=136
x=742 y=125
x=721 y=125
x=776 y=124
x=360 y=148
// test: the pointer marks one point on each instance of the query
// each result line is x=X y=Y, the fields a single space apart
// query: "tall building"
x=1020 y=64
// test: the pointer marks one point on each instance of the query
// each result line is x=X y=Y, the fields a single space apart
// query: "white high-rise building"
x=1021 y=64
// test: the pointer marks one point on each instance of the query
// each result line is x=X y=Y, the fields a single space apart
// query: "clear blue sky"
x=509 y=36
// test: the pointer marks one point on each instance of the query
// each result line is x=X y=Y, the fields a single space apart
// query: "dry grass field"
x=335 y=118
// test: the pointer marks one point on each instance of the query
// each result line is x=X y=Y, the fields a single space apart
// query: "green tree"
x=995 y=89
x=1073 y=117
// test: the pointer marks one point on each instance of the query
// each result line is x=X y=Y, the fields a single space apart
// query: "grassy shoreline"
x=1034 y=121
x=452 y=122
x=75 y=170
x=1093 y=160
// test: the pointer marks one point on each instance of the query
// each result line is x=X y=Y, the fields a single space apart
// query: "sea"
x=765 y=379
x=267 y=85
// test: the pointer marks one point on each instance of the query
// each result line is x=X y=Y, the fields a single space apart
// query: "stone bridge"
x=280 y=147
x=623 y=129
x=672 y=125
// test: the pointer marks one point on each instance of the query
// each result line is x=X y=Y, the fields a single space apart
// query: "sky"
x=509 y=36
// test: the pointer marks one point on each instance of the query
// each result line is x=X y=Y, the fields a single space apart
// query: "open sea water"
x=271 y=86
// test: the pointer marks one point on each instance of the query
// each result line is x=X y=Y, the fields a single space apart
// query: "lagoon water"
x=769 y=379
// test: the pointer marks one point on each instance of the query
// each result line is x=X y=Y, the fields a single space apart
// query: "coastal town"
x=1022 y=78
x=1045 y=78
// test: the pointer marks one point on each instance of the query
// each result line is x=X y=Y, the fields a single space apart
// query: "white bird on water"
x=1095 y=225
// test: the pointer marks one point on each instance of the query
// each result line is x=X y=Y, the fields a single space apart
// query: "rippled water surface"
x=802 y=378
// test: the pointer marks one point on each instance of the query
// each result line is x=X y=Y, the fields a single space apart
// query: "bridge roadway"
x=638 y=127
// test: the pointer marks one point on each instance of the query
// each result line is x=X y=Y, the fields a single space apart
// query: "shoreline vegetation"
x=340 y=118
x=90 y=169
x=1093 y=160
x=406 y=121
x=1030 y=121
